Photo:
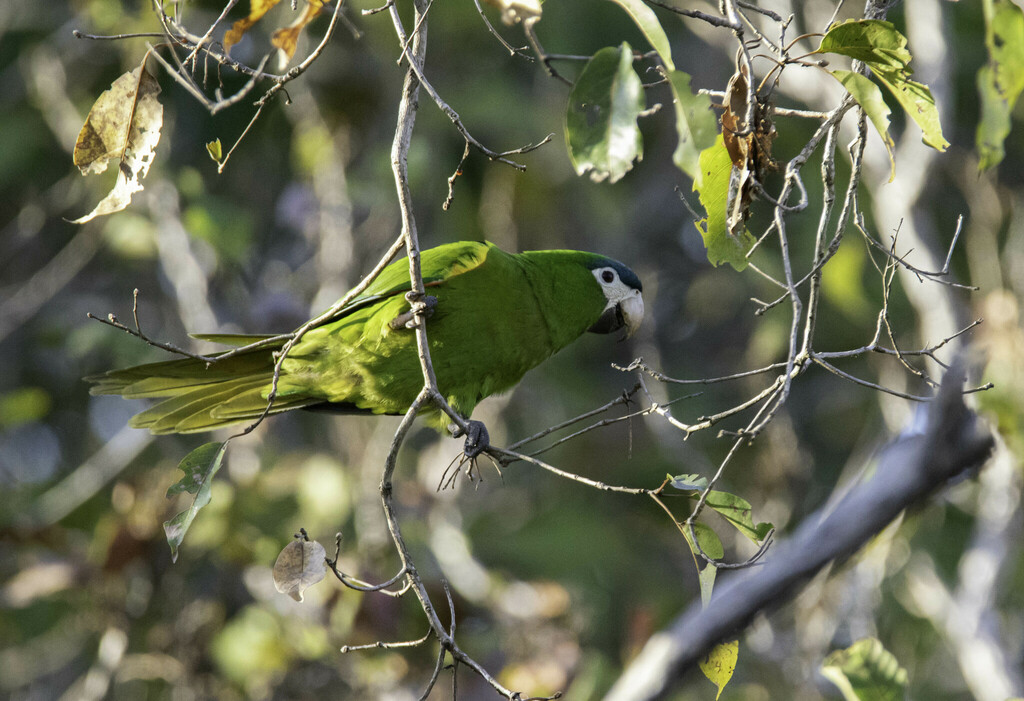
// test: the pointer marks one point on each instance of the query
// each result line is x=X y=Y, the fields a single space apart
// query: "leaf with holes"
x=713 y=186
x=124 y=126
x=199 y=467
x=601 y=128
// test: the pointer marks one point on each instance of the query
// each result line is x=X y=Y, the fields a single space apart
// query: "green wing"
x=199 y=397
x=436 y=266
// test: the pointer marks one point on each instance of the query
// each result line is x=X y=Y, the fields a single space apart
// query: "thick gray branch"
x=908 y=471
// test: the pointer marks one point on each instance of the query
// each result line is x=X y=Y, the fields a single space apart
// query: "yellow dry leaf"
x=287 y=38
x=720 y=664
x=257 y=8
x=123 y=124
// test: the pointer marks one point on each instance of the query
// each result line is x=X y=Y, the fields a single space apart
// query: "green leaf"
x=881 y=46
x=600 y=122
x=711 y=544
x=215 y=150
x=712 y=186
x=706 y=579
x=1001 y=81
x=651 y=27
x=720 y=663
x=866 y=671
x=199 y=467
x=737 y=511
x=867 y=40
x=709 y=541
x=696 y=124
x=918 y=102
x=869 y=97
x=689 y=482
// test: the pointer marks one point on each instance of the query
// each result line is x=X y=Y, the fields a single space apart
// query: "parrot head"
x=622 y=288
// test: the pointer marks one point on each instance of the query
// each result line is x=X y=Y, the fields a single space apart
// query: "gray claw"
x=407 y=319
x=477 y=439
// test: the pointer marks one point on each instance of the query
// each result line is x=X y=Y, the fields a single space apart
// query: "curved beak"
x=632 y=311
x=627 y=312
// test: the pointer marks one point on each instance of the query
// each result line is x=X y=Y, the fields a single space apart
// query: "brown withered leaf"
x=764 y=137
x=257 y=8
x=737 y=207
x=749 y=148
x=734 y=118
x=124 y=125
x=299 y=566
x=287 y=38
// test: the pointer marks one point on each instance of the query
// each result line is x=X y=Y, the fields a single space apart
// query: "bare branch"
x=494 y=32
x=388 y=646
x=713 y=20
x=451 y=113
x=623 y=398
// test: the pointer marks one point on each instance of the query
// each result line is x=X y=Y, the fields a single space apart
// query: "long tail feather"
x=198 y=396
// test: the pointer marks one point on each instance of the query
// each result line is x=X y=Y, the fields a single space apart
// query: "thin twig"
x=623 y=398
x=388 y=646
x=453 y=115
x=494 y=32
x=542 y=56
x=713 y=20
x=640 y=365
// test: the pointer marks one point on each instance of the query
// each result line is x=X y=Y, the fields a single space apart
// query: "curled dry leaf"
x=299 y=566
x=749 y=147
x=123 y=124
x=287 y=38
x=257 y=8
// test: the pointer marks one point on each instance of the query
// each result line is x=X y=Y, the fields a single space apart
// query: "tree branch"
x=910 y=470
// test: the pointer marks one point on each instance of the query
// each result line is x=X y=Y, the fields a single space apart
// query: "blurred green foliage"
x=556 y=586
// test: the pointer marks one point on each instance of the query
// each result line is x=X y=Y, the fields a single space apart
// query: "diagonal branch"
x=910 y=470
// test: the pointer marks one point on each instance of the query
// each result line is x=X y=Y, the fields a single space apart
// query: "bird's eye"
x=608 y=276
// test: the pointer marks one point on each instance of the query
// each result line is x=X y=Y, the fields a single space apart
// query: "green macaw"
x=494 y=316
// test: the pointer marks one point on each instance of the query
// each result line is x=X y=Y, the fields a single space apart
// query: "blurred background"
x=556 y=586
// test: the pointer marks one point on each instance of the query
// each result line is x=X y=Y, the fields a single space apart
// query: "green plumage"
x=497 y=316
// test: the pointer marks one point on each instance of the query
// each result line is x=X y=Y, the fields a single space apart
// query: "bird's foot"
x=477 y=439
x=477 y=442
x=417 y=307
